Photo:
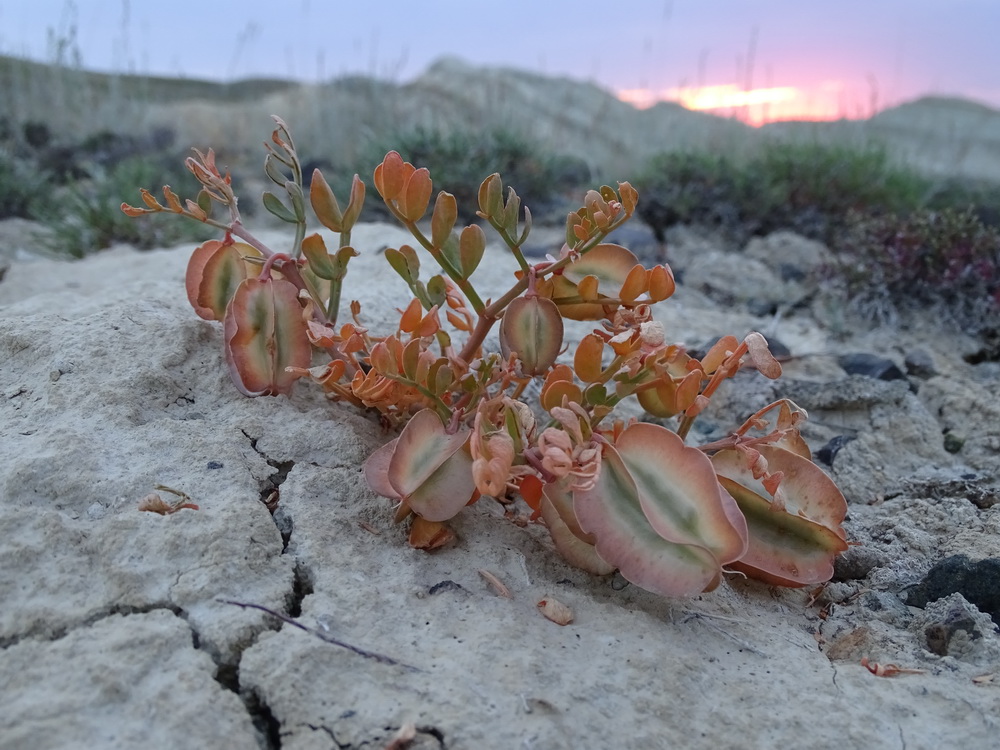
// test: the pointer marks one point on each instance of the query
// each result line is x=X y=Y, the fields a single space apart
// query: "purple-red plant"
x=614 y=496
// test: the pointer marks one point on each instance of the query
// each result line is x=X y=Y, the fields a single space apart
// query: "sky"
x=758 y=60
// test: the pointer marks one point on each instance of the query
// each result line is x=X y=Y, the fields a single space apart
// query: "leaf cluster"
x=614 y=495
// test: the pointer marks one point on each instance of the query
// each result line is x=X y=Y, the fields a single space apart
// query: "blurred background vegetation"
x=906 y=214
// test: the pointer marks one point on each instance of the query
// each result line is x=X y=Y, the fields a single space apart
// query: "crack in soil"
x=228 y=677
x=270 y=492
x=428 y=731
x=40 y=632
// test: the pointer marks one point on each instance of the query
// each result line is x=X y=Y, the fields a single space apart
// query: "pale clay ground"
x=114 y=632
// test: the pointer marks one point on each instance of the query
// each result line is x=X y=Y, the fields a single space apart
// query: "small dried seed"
x=496 y=583
x=556 y=611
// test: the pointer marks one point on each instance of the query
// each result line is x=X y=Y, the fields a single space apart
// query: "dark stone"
x=857 y=562
x=446 y=585
x=778 y=348
x=214 y=465
x=789 y=272
x=828 y=452
x=958 y=616
x=978 y=582
x=953 y=443
x=919 y=363
x=870 y=365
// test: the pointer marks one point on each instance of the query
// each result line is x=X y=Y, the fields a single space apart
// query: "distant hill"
x=334 y=120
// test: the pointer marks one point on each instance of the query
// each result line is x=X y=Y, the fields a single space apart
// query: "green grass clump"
x=809 y=188
x=23 y=187
x=87 y=215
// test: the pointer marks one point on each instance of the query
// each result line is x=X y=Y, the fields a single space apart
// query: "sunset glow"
x=753 y=106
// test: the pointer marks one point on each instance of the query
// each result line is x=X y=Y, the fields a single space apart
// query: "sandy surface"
x=115 y=631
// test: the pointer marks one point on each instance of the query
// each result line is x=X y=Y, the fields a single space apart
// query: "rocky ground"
x=122 y=628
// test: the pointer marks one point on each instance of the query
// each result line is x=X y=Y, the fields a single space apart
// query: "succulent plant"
x=632 y=497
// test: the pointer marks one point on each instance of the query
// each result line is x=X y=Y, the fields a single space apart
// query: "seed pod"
x=533 y=328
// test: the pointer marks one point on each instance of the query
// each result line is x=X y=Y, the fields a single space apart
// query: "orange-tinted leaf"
x=612 y=511
x=608 y=262
x=672 y=395
x=611 y=265
x=573 y=549
x=324 y=203
x=264 y=334
x=430 y=469
x=428 y=535
x=588 y=288
x=795 y=546
x=553 y=394
x=635 y=284
x=661 y=283
x=629 y=197
x=471 y=245
x=443 y=219
x=679 y=492
x=761 y=356
x=411 y=316
x=416 y=195
x=320 y=262
x=388 y=176
x=193 y=276
x=213 y=274
x=588 y=359
x=532 y=327
x=491 y=196
x=376 y=470
x=354 y=204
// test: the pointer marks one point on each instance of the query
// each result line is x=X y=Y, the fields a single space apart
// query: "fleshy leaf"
x=533 y=328
x=429 y=535
x=795 y=546
x=443 y=219
x=274 y=205
x=611 y=265
x=214 y=272
x=430 y=470
x=314 y=248
x=264 y=334
x=354 y=204
x=576 y=547
x=612 y=511
x=471 y=245
x=679 y=492
x=416 y=195
x=324 y=202
x=376 y=470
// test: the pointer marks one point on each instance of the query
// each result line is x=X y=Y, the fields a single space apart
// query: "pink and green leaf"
x=612 y=511
x=576 y=550
x=376 y=470
x=610 y=264
x=533 y=328
x=213 y=273
x=679 y=492
x=264 y=334
x=425 y=468
x=794 y=546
